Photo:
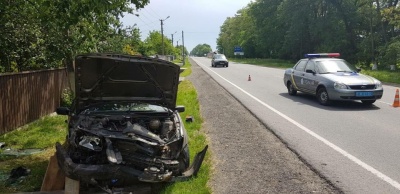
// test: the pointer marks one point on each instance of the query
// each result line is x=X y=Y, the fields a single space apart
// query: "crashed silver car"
x=124 y=125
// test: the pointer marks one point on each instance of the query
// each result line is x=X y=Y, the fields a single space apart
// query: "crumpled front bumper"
x=115 y=172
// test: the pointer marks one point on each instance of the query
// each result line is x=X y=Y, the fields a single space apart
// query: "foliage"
x=201 y=50
x=363 y=31
x=67 y=97
x=38 y=34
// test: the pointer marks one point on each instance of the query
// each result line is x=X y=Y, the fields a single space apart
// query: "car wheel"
x=368 y=102
x=227 y=65
x=323 y=97
x=291 y=89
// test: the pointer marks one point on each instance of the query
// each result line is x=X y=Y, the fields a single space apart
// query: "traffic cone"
x=249 y=78
x=396 y=102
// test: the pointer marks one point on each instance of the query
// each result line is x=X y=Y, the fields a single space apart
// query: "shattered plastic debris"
x=25 y=152
x=3 y=176
x=17 y=173
x=189 y=118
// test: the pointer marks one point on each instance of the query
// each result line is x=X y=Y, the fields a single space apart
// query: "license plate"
x=363 y=94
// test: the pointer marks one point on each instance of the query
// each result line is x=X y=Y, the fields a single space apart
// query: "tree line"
x=42 y=34
x=363 y=31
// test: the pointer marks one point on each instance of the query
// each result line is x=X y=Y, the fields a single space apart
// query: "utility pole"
x=162 y=33
x=172 y=37
x=183 y=49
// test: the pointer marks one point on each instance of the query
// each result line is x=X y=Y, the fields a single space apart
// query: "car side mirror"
x=62 y=111
x=310 y=71
x=180 y=108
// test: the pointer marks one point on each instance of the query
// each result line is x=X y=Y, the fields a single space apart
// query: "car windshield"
x=219 y=57
x=333 y=66
x=123 y=107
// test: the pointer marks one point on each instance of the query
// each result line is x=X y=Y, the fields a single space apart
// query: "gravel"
x=247 y=157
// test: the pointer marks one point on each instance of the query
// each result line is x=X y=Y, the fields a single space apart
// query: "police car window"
x=300 y=66
x=310 y=66
x=317 y=69
x=332 y=66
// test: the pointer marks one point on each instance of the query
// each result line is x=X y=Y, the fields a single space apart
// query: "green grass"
x=45 y=132
x=266 y=62
x=197 y=141
x=384 y=76
x=42 y=134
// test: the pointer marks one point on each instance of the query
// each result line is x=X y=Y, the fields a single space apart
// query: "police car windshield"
x=333 y=66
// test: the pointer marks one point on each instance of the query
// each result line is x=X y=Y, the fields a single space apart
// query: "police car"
x=330 y=78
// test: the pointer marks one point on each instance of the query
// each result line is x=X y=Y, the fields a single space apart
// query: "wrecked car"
x=124 y=124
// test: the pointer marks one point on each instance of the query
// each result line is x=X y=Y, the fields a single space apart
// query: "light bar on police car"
x=315 y=55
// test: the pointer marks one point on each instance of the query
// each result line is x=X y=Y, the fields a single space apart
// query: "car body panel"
x=100 y=77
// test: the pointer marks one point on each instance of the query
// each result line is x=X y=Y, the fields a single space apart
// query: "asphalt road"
x=356 y=147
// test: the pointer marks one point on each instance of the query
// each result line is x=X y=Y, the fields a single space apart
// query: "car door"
x=298 y=74
x=310 y=78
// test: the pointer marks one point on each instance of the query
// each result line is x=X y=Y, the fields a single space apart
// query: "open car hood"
x=113 y=77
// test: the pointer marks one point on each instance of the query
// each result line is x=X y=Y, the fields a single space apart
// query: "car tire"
x=226 y=65
x=291 y=89
x=323 y=97
x=368 y=102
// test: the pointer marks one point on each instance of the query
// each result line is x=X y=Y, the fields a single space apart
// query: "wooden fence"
x=27 y=96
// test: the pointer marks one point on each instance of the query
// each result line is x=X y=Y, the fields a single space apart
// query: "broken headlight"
x=90 y=142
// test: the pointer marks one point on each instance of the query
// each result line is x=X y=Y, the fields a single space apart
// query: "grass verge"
x=187 y=96
x=384 y=76
x=44 y=132
x=41 y=134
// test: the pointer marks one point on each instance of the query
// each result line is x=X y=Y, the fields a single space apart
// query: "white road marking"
x=323 y=140
x=384 y=102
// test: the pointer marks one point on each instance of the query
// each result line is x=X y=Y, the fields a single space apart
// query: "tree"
x=49 y=33
x=361 y=30
x=201 y=50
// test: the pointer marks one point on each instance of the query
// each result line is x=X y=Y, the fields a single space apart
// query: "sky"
x=200 y=20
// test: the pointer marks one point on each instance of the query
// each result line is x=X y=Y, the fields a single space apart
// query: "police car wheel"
x=323 y=97
x=291 y=89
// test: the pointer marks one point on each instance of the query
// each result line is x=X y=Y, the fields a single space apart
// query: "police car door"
x=310 y=78
x=298 y=74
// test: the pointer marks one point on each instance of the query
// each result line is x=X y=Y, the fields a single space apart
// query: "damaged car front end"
x=124 y=125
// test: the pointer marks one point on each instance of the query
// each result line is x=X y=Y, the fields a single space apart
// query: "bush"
x=67 y=97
